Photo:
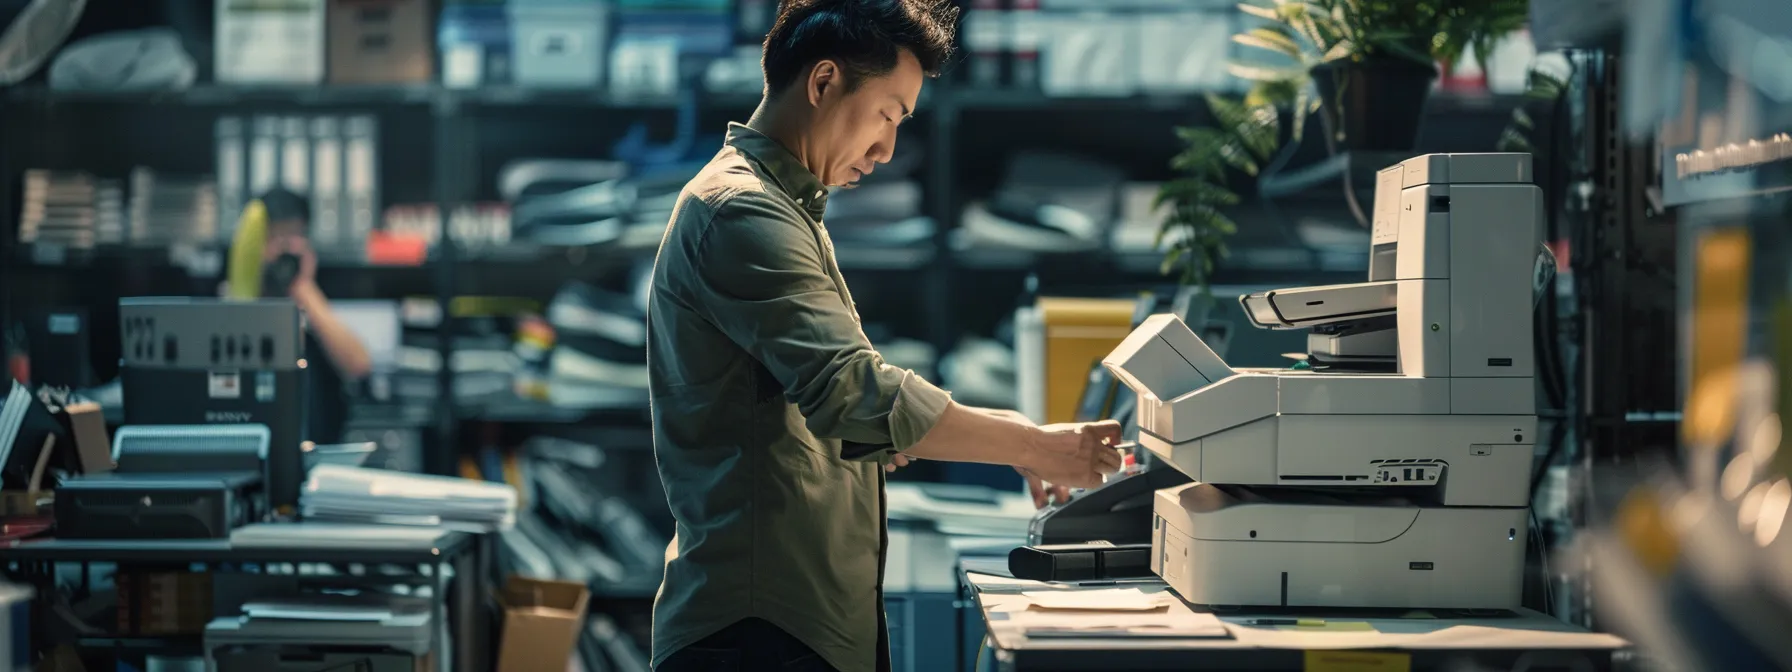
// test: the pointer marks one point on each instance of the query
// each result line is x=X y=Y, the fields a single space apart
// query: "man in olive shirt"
x=774 y=419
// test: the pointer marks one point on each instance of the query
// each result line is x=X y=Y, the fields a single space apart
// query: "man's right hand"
x=1075 y=455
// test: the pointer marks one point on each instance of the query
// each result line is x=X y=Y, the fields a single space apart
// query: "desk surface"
x=1523 y=635
x=221 y=550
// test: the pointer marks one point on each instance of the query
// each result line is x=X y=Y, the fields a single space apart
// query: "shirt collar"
x=785 y=169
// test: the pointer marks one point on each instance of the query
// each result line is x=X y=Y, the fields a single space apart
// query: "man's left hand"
x=899 y=460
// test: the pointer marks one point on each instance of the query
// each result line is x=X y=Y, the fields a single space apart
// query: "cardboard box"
x=88 y=423
x=381 y=42
x=163 y=603
x=542 y=620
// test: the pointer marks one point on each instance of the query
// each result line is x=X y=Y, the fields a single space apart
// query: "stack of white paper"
x=962 y=510
x=1118 y=612
x=1116 y=599
x=360 y=495
x=327 y=621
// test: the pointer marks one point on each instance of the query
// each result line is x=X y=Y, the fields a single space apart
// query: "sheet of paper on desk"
x=1006 y=583
x=1175 y=621
x=1477 y=636
x=1453 y=637
x=1114 y=599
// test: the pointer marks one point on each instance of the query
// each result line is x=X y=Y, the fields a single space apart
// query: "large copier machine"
x=1395 y=471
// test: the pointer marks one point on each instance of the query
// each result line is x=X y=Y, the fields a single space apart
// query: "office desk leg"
x=441 y=596
x=470 y=628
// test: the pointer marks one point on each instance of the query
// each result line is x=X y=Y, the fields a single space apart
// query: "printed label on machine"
x=264 y=386
x=1356 y=661
x=224 y=385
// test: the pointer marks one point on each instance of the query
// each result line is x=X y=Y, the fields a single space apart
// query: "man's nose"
x=883 y=151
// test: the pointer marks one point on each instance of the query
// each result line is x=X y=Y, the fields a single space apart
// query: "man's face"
x=280 y=232
x=854 y=131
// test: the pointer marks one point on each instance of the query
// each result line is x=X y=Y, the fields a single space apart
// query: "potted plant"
x=1366 y=66
x=1370 y=62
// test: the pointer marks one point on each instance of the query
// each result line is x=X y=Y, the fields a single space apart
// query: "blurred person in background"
x=335 y=356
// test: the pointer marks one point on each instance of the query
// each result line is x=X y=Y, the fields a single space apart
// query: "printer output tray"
x=1302 y=307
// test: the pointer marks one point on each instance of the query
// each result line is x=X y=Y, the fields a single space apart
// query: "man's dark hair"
x=864 y=36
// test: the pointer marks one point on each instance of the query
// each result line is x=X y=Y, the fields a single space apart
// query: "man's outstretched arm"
x=1077 y=455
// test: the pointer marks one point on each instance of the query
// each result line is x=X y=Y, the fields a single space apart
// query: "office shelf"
x=147 y=644
x=981 y=98
x=216 y=95
x=333 y=95
x=934 y=274
x=515 y=410
x=185 y=551
x=594 y=98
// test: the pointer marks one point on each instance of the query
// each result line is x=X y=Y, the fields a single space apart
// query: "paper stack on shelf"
x=109 y=223
x=60 y=208
x=600 y=354
x=334 y=536
x=360 y=495
x=12 y=418
x=372 y=621
x=967 y=510
x=172 y=209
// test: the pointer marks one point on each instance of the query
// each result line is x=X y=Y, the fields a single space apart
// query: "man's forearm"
x=344 y=348
x=967 y=434
x=1004 y=414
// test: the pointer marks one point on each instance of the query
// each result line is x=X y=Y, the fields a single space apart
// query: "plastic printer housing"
x=1396 y=472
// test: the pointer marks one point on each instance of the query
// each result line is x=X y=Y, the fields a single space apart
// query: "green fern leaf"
x=1258 y=73
x=1170 y=260
x=1270 y=39
x=1259 y=11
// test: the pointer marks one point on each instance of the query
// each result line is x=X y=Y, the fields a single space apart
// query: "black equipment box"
x=156 y=506
x=1080 y=562
x=191 y=361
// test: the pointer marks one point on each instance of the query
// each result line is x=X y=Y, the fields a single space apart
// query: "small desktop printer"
x=172 y=482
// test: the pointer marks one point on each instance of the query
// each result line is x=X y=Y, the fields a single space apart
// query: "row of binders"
x=78 y=210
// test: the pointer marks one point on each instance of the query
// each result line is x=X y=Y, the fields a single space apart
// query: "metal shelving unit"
x=936 y=270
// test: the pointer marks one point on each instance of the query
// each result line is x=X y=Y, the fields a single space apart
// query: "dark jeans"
x=749 y=644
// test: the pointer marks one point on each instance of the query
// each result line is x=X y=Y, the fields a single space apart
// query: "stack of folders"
x=71 y=209
x=12 y=418
x=336 y=493
x=332 y=160
x=170 y=210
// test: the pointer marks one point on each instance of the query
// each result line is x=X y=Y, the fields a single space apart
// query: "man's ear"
x=823 y=78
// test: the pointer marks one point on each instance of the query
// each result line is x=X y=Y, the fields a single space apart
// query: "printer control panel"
x=198 y=334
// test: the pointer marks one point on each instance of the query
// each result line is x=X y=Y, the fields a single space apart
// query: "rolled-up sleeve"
x=763 y=280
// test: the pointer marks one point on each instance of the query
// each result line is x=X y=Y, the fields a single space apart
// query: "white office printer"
x=1393 y=473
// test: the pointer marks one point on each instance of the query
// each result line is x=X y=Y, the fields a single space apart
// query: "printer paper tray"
x=1302 y=307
